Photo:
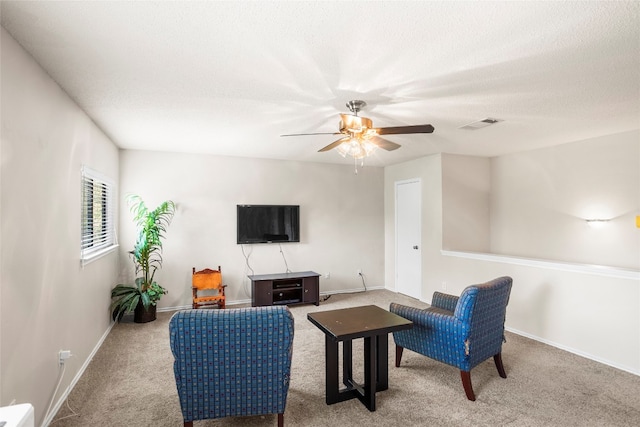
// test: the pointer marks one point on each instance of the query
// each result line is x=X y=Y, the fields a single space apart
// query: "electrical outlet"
x=63 y=355
x=444 y=286
x=327 y=276
x=359 y=272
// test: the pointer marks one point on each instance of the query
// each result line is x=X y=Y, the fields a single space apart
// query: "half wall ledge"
x=598 y=270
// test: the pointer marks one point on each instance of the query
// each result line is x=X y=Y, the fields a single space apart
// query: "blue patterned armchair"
x=459 y=331
x=233 y=362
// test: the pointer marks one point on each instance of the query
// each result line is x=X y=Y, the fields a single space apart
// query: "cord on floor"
x=363 y=284
x=72 y=414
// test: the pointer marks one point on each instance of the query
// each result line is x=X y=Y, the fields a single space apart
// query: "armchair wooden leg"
x=498 y=359
x=188 y=424
x=466 y=383
x=398 y=355
x=280 y=420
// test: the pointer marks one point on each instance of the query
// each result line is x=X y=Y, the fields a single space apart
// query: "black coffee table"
x=371 y=323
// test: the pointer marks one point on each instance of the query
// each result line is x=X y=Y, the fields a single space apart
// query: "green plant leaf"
x=123 y=304
x=122 y=290
x=146 y=299
x=133 y=303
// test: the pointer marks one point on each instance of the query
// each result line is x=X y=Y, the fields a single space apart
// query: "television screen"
x=268 y=223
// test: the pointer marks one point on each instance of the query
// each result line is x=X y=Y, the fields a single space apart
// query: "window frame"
x=96 y=239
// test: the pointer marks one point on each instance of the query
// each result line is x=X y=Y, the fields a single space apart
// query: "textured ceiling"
x=229 y=78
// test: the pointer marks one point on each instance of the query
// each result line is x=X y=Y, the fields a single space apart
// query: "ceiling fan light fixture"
x=357 y=148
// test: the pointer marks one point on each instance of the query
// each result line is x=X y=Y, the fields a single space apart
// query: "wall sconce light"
x=597 y=223
x=638 y=221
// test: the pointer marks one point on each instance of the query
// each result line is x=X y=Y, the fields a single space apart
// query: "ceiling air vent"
x=480 y=124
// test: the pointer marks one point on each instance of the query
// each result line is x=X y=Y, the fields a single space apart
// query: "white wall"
x=540 y=200
x=466 y=186
x=594 y=313
x=48 y=302
x=342 y=222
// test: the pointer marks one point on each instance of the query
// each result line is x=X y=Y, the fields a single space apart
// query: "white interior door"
x=408 y=238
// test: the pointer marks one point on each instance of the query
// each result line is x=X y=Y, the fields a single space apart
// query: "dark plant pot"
x=140 y=315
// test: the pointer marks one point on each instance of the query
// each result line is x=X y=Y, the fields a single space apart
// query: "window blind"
x=97 y=213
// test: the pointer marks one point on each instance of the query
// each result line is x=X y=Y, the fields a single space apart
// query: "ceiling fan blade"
x=396 y=130
x=385 y=144
x=315 y=133
x=334 y=144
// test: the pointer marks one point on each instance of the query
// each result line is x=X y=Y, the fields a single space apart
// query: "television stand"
x=285 y=289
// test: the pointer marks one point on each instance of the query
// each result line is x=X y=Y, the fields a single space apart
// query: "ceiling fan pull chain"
x=355 y=164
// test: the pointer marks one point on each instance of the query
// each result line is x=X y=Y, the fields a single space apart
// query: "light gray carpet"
x=130 y=383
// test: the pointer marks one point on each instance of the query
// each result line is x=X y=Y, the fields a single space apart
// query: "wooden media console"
x=285 y=288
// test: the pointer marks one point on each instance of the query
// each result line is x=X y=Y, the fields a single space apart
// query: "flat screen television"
x=268 y=223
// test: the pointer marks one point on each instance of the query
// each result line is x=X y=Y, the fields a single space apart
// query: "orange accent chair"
x=207 y=288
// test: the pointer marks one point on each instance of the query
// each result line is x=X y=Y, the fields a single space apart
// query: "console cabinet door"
x=311 y=292
x=262 y=293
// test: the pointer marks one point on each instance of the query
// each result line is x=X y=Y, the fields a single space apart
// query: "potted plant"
x=143 y=295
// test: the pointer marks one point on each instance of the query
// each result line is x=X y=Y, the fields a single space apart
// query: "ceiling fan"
x=360 y=138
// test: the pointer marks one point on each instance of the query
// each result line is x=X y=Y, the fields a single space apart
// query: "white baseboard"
x=574 y=351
